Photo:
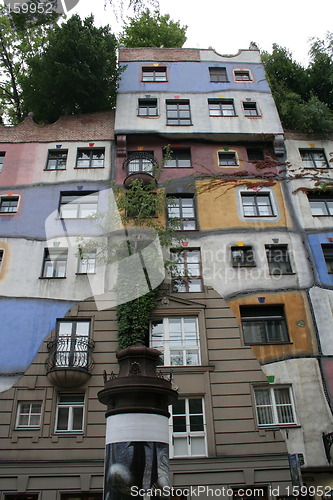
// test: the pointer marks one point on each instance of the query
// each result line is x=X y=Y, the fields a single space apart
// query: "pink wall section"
x=204 y=157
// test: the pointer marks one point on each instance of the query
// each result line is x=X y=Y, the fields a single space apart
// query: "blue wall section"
x=192 y=77
x=315 y=242
x=36 y=204
x=25 y=323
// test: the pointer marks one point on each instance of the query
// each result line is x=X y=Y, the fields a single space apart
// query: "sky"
x=230 y=26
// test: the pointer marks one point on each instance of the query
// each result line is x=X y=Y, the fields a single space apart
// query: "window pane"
x=77 y=419
x=63 y=414
x=179 y=424
x=198 y=446
x=180 y=446
x=178 y=407
x=196 y=423
x=195 y=405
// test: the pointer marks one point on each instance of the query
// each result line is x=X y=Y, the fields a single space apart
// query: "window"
x=278 y=259
x=2 y=159
x=250 y=109
x=29 y=414
x=263 y=324
x=242 y=76
x=27 y=496
x=274 y=406
x=255 y=154
x=313 y=158
x=227 y=159
x=177 y=339
x=1 y=257
x=218 y=75
x=328 y=256
x=221 y=107
x=186 y=272
x=182 y=208
x=90 y=158
x=9 y=204
x=55 y=262
x=257 y=205
x=70 y=413
x=242 y=257
x=154 y=74
x=147 y=107
x=78 y=205
x=87 y=263
x=187 y=428
x=178 y=158
x=72 y=344
x=178 y=112
x=140 y=161
x=56 y=160
x=321 y=204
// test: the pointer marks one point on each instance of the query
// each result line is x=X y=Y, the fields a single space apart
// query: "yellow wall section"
x=302 y=339
x=218 y=208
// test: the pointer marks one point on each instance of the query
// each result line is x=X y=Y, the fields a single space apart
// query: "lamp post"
x=137 y=436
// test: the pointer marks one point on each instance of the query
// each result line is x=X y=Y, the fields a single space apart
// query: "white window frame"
x=70 y=406
x=87 y=263
x=312 y=159
x=239 y=70
x=228 y=165
x=163 y=342
x=90 y=162
x=221 y=107
x=30 y=414
x=7 y=196
x=181 y=213
x=274 y=405
x=256 y=195
x=252 y=110
x=2 y=159
x=72 y=348
x=58 y=257
x=2 y=257
x=189 y=435
x=79 y=203
x=147 y=104
x=57 y=160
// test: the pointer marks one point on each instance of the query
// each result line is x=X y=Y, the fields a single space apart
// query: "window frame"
x=327 y=249
x=256 y=206
x=163 y=341
x=250 y=109
x=147 y=107
x=9 y=198
x=145 y=160
x=62 y=252
x=90 y=151
x=225 y=107
x=30 y=414
x=88 y=256
x=312 y=152
x=322 y=199
x=221 y=75
x=254 y=151
x=274 y=405
x=72 y=351
x=172 y=206
x=274 y=313
x=154 y=70
x=285 y=255
x=2 y=159
x=188 y=434
x=57 y=153
x=2 y=257
x=79 y=199
x=185 y=277
x=175 y=156
x=247 y=257
x=71 y=416
x=233 y=157
x=240 y=73
x=178 y=120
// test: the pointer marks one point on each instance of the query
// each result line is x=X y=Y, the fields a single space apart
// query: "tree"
x=137 y=5
x=303 y=96
x=76 y=73
x=21 y=37
x=153 y=30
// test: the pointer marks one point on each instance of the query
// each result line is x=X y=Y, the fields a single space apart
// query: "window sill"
x=88 y=168
x=282 y=274
x=186 y=369
x=223 y=116
x=54 y=169
x=277 y=427
x=85 y=274
x=269 y=343
x=147 y=116
x=244 y=265
x=52 y=277
x=179 y=124
x=257 y=116
x=259 y=216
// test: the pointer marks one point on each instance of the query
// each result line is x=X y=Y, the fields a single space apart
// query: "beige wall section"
x=302 y=338
x=224 y=380
x=220 y=207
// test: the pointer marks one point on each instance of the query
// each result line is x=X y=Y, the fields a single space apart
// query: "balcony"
x=140 y=165
x=70 y=361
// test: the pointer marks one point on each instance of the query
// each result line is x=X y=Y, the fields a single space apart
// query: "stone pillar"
x=137 y=436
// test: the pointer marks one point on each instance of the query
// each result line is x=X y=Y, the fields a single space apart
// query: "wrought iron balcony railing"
x=70 y=352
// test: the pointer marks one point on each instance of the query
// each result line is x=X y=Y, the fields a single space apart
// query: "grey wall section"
x=238 y=453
